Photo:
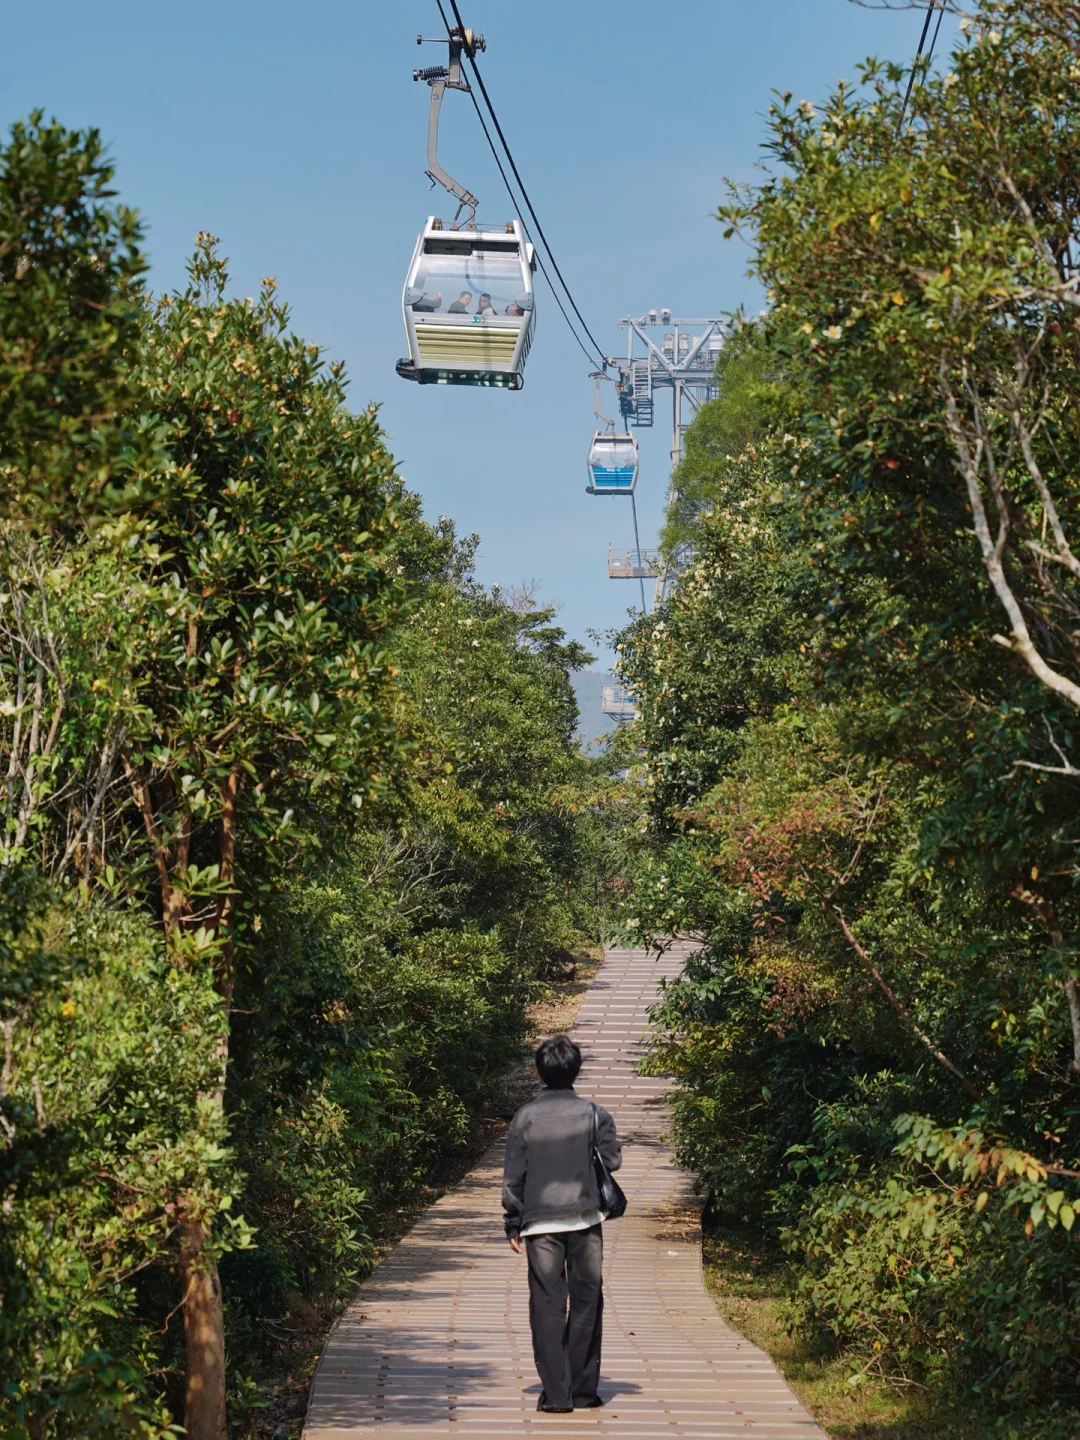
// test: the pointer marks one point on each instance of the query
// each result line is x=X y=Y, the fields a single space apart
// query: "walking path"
x=437 y=1340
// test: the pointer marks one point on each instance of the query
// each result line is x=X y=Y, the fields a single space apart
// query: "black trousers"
x=566 y=1303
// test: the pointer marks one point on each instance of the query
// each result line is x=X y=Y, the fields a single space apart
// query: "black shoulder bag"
x=612 y=1199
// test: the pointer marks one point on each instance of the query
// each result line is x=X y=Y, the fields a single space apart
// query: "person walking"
x=551 y=1199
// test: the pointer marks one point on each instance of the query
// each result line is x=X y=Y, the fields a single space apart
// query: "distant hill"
x=588 y=686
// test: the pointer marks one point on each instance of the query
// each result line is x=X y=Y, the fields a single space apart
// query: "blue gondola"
x=613 y=464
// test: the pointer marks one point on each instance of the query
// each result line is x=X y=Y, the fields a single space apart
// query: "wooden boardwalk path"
x=437 y=1340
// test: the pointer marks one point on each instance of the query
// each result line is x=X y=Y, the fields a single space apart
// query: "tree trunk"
x=204 y=1320
x=204 y=1339
x=230 y=794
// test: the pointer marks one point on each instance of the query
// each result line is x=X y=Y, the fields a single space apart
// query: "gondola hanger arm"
x=441 y=78
x=598 y=376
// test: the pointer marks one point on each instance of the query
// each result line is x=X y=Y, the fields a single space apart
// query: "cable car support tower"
x=685 y=364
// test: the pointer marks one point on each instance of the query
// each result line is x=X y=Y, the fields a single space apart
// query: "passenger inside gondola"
x=435 y=303
x=478 y=283
x=482 y=286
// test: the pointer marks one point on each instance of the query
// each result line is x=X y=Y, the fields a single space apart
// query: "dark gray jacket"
x=548 y=1173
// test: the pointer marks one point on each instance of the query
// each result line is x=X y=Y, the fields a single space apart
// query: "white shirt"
x=559 y=1227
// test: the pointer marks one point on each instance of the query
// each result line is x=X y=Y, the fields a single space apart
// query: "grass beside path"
x=750 y=1287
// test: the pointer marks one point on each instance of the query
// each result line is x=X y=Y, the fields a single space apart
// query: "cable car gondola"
x=468 y=302
x=468 y=307
x=613 y=464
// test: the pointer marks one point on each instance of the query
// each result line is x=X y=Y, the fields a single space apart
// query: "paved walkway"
x=437 y=1340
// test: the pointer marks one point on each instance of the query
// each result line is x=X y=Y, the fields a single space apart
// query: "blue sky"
x=295 y=132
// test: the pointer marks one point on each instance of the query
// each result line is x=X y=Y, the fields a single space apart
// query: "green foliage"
x=487 y=688
x=108 y=1144
x=876 y=1045
x=895 y=1269
x=753 y=390
x=293 y=819
x=67 y=613
x=390 y=996
x=370 y=1061
x=927 y=312
x=253 y=688
x=71 y=439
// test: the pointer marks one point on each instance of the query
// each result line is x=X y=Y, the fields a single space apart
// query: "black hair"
x=558 y=1062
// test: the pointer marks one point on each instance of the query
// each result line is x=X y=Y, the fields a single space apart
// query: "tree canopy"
x=858 y=723
x=294 y=824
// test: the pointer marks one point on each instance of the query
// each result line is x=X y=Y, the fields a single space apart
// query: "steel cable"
x=918 y=57
x=525 y=194
x=937 y=32
x=517 y=207
x=640 y=563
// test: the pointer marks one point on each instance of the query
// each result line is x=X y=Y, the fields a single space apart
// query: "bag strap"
x=595 y=1123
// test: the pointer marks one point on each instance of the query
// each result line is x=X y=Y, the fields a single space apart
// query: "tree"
x=72 y=443
x=753 y=396
x=254 y=688
x=854 y=798
x=108 y=1051
x=946 y=257
x=282 y=887
x=925 y=286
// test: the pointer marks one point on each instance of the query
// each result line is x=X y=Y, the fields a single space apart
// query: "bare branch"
x=1063 y=555
x=1047 y=912
x=106 y=776
x=1020 y=642
x=1065 y=768
x=905 y=1015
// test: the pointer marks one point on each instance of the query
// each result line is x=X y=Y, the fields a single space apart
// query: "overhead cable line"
x=918 y=56
x=517 y=207
x=937 y=32
x=637 y=542
x=521 y=185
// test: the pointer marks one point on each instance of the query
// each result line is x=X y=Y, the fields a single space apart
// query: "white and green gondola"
x=468 y=302
x=468 y=307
